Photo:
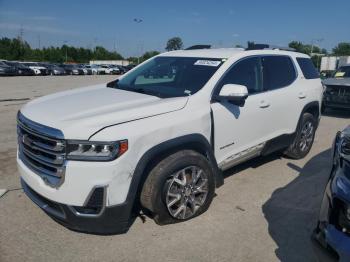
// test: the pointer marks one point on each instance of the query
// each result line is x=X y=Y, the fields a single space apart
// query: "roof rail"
x=269 y=47
x=198 y=47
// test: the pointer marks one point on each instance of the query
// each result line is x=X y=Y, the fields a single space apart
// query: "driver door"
x=239 y=132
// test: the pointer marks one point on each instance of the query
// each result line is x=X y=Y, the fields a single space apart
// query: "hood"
x=337 y=81
x=79 y=113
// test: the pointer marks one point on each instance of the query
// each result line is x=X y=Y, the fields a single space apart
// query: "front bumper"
x=336 y=97
x=335 y=105
x=112 y=220
x=329 y=241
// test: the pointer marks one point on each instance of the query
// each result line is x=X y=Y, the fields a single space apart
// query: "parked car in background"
x=55 y=69
x=122 y=69
x=7 y=70
x=114 y=70
x=21 y=70
x=37 y=68
x=93 y=68
x=129 y=67
x=86 y=69
x=72 y=69
x=104 y=70
x=337 y=90
x=331 y=237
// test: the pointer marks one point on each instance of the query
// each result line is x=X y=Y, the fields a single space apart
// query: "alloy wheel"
x=187 y=192
x=306 y=137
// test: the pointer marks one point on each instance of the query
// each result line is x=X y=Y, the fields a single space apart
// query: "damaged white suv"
x=158 y=138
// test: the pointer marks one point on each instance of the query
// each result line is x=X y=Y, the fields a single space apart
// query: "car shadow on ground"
x=252 y=163
x=292 y=211
x=339 y=113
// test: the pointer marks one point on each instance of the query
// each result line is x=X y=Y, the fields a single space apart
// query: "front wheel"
x=304 y=138
x=178 y=188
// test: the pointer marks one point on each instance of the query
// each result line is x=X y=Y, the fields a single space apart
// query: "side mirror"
x=112 y=83
x=235 y=94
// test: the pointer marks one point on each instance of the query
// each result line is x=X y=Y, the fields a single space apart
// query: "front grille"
x=42 y=149
x=338 y=93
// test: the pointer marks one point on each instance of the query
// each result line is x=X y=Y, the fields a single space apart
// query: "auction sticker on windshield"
x=207 y=63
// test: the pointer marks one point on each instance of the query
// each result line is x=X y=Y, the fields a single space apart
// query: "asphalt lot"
x=265 y=211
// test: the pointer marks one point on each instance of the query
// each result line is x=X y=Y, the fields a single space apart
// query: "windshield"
x=343 y=71
x=170 y=76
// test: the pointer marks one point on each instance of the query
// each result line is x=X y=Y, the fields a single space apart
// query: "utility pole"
x=21 y=33
x=65 y=43
x=39 y=41
x=115 y=44
x=138 y=21
x=95 y=42
x=318 y=40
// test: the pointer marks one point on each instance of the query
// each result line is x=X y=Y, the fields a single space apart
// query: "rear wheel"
x=304 y=138
x=178 y=188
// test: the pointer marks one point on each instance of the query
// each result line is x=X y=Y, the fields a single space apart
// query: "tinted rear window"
x=278 y=71
x=308 y=68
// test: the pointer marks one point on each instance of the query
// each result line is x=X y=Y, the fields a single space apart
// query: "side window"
x=308 y=68
x=246 y=72
x=278 y=71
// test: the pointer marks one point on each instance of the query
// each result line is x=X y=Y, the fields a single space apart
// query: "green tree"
x=342 y=49
x=15 y=49
x=148 y=55
x=174 y=43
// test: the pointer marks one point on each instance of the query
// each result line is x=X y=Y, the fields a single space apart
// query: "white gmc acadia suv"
x=158 y=138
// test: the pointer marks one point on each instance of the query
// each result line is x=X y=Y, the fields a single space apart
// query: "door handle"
x=301 y=95
x=264 y=104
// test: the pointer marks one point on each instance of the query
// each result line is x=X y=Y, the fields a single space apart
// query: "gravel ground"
x=265 y=211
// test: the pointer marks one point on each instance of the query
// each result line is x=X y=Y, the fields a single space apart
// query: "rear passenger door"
x=282 y=92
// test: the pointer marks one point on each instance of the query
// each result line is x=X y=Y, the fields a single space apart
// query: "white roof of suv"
x=228 y=52
x=208 y=53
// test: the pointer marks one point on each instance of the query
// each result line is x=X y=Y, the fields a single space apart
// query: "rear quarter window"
x=308 y=68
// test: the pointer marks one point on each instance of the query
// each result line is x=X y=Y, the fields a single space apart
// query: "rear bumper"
x=112 y=220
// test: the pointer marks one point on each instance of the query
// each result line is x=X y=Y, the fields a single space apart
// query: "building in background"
x=110 y=62
x=330 y=63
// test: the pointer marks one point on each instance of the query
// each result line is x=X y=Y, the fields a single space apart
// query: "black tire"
x=297 y=150
x=160 y=181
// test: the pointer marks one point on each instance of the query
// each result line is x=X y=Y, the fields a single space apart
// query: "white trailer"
x=328 y=63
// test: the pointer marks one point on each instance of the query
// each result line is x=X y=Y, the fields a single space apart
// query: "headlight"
x=95 y=151
x=344 y=145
